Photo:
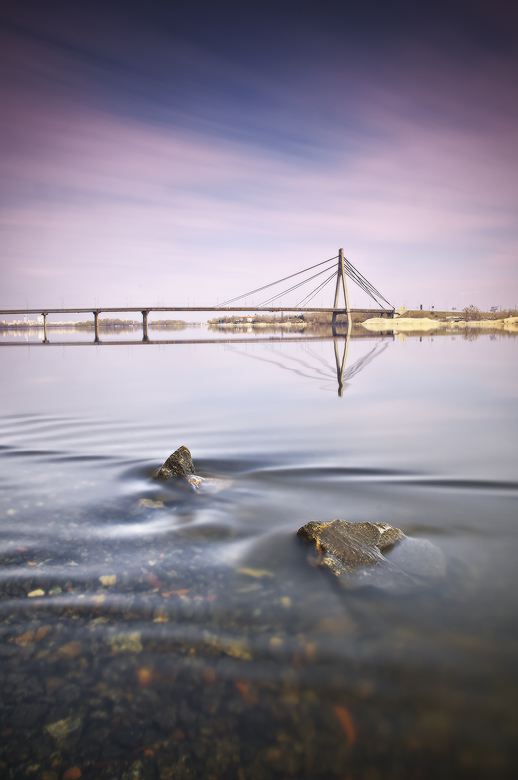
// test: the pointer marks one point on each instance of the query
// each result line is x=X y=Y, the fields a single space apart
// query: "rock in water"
x=352 y=551
x=179 y=464
x=345 y=547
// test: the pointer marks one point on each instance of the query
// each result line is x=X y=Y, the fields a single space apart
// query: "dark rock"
x=352 y=551
x=15 y=752
x=68 y=693
x=151 y=737
x=89 y=754
x=166 y=719
x=141 y=769
x=128 y=736
x=96 y=735
x=8 y=651
x=179 y=464
x=110 y=772
x=26 y=715
x=110 y=751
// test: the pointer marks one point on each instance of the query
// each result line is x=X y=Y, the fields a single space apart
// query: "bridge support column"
x=96 y=327
x=45 y=339
x=340 y=281
x=145 y=336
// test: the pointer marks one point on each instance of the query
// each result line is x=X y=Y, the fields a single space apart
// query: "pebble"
x=257 y=573
x=108 y=579
x=71 y=650
x=126 y=643
x=74 y=773
x=63 y=728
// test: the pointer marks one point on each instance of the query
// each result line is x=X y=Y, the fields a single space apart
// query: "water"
x=149 y=631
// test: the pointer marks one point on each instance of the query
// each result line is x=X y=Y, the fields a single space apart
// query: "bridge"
x=340 y=269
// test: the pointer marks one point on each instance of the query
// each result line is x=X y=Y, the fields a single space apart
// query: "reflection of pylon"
x=340 y=366
x=340 y=282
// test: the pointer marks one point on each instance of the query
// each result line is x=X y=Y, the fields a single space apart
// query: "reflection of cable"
x=317 y=357
x=327 y=373
x=252 y=292
x=289 y=368
x=364 y=361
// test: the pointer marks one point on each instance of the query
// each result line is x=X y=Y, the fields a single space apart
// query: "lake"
x=150 y=631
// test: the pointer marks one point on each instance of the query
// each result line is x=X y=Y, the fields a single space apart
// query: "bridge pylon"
x=341 y=283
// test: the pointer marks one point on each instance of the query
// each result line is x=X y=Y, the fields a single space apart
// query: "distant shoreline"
x=90 y=325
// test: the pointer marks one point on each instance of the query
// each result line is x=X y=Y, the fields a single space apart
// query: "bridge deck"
x=218 y=309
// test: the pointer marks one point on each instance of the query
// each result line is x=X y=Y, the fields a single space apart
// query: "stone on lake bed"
x=353 y=552
x=126 y=643
x=63 y=728
x=108 y=579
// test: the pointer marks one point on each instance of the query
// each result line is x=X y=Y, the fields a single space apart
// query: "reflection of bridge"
x=342 y=374
x=339 y=271
x=316 y=367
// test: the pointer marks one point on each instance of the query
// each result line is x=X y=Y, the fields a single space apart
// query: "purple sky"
x=156 y=155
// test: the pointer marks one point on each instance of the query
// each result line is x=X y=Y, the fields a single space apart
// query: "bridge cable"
x=295 y=287
x=353 y=272
x=320 y=287
x=361 y=284
x=357 y=277
x=245 y=295
x=364 y=287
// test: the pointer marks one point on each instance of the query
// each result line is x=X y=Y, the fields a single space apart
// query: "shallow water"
x=188 y=635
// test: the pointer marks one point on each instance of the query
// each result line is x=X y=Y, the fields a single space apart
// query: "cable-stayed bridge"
x=336 y=269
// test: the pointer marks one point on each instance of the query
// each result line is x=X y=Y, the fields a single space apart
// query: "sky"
x=166 y=153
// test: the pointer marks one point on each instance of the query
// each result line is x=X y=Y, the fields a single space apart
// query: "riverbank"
x=428 y=324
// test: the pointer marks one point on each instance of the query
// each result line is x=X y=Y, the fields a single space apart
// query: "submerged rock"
x=353 y=552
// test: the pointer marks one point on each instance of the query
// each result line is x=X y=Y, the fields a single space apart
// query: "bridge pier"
x=96 y=327
x=340 y=280
x=145 y=336
x=44 y=315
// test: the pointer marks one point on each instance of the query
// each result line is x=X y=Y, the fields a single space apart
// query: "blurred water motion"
x=151 y=631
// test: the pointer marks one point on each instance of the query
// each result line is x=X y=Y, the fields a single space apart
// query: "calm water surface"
x=151 y=632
